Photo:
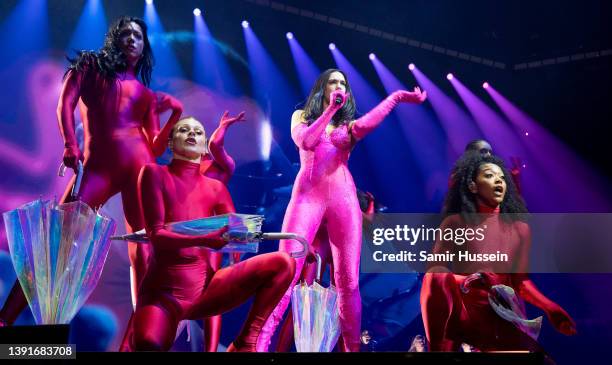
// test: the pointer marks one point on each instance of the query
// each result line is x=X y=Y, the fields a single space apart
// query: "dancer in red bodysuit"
x=180 y=283
x=451 y=315
x=122 y=134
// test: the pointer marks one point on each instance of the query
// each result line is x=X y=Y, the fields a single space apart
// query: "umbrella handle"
x=77 y=183
x=292 y=236
x=319 y=267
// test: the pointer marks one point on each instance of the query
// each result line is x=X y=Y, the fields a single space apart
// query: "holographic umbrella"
x=244 y=232
x=316 y=324
x=58 y=252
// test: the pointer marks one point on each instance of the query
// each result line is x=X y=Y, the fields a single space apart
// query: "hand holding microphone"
x=338 y=98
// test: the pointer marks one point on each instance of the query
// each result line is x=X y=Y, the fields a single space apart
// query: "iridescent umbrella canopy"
x=243 y=235
x=58 y=252
x=316 y=324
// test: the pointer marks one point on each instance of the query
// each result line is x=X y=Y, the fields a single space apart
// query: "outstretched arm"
x=307 y=136
x=161 y=102
x=69 y=97
x=527 y=289
x=149 y=185
x=217 y=140
x=367 y=123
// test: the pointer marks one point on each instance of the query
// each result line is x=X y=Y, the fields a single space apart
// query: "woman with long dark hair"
x=456 y=295
x=122 y=130
x=324 y=191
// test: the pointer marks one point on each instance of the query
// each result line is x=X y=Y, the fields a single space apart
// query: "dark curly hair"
x=109 y=59
x=314 y=104
x=460 y=200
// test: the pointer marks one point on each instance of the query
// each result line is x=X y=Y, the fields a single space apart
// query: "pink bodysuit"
x=324 y=191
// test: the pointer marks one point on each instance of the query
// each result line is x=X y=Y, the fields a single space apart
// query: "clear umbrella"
x=316 y=324
x=58 y=252
x=244 y=232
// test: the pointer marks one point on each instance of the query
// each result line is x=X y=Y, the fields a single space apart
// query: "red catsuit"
x=180 y=282
x=451 y=316
x=219 y=165
x=122 y=134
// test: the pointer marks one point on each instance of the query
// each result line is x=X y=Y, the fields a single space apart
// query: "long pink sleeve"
x=367 y=123
x=306 y=136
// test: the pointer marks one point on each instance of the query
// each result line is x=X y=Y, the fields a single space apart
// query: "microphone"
x=338 y=100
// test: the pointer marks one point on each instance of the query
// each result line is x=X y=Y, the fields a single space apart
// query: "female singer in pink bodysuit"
x=324 y=191
x=450 y=315
x=180 y=282
x=122 y=130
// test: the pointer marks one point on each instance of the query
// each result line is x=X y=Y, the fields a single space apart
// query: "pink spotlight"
x=450 y=76
x=527 y=134
x=411 y=67
x=332 y=46
x=245 y=24
x=485 y=85
x=372 y=56
x=197 y=12
x=289 y=35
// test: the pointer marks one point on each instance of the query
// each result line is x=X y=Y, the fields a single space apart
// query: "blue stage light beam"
x=166 y=63
x=209 y=66
x=91 y=28
x=306 y=69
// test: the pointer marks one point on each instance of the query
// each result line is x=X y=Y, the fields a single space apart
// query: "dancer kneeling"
x=180 y=283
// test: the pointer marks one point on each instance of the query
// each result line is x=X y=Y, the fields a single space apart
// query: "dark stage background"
x=549 y=62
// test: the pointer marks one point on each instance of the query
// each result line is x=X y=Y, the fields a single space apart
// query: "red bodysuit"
x=180 y=282
x=451 y=316
x=121 y=135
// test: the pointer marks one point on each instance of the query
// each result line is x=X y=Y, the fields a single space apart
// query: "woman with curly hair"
x=456 y=309
x=122 y=131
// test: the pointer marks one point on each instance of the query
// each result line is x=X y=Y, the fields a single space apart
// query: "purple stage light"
x=449 y=76
x=289 y=35
x=197 y=12
x=485 y=85
x=332 y=46
x=372 y=56
x=526 y=134
x=245 y=24
x=411 y=67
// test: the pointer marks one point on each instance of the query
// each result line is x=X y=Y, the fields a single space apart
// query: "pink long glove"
x=307 y=137
x=367 y=123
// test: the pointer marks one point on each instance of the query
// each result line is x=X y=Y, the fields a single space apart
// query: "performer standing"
x=453 y=316
x=325 y=133
x=180 y=283
x=122 y=131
